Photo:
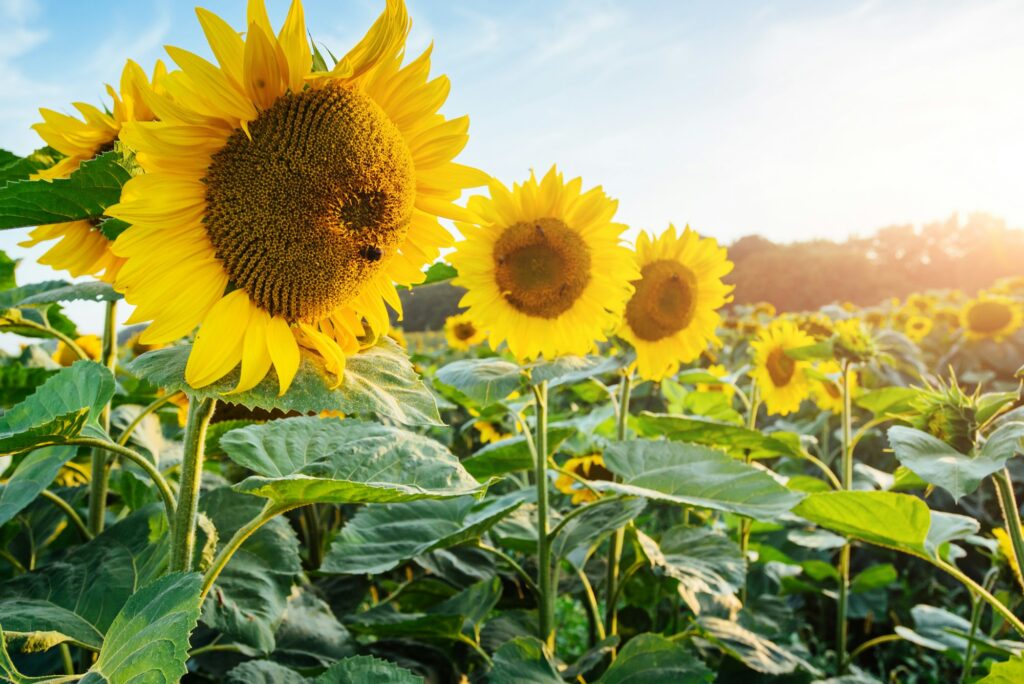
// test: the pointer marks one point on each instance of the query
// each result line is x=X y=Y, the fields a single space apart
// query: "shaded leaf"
x=653 y=659
x=703 y=561
x=513 y=454
x=753 y=650
x=485 y=381
x=263 y=672
x=34 y=474
x=592 y=522
x=309 y=634
x=367 y=670
x=523 y=660
x=736 y=439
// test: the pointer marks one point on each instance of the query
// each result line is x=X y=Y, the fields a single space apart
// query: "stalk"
x=98 y=460
x=547 y=598
x=269 y=512
x=1011 y=514
x=746 y=523
x=184 y=530
x=844 y=553
x=611 y=618
x=69 y=511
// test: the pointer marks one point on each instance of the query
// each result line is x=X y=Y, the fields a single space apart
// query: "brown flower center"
x=310 y=207
x=541 y=267
x=780 y=367
x=664 y=302
x=989 y=317
x=464 y=331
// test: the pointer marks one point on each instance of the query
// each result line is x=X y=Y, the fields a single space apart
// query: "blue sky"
x=793 y=120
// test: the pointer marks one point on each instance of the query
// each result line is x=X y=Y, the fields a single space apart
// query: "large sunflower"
x=82 y=248
x=781 y=379
x=991 y=316
x=280 y=204
x=673 y=313
x=544 y=266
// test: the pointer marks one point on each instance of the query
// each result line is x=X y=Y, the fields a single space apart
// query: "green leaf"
x=485 y=381
x=379 y=381
x=93 y=187
x=733 y=438
x=523 y=660
x=34 y=474
x=18 y=382
x=438 y=272
x=250 y=596
x=148 y=640
x=14 y=168
x=263 y=672
x=367 y=670
x=694 y=475
x=79 y=596
x=938 y=629
x=569 y=370
x=653 y=659
x=940 y=464
x=446 y=620
x=513 y=454
x=7 y=266
x=309 y=634
x=1007 y=672
x=59 y=409
x=592 y=522
x=702 y=560
x=898 y=521
x=8 y=672
x=813 y=352
x=309 y=460
x=875 y=577
x=379 y=537
x=753 y=650
x=95 y=291
x=887 y=400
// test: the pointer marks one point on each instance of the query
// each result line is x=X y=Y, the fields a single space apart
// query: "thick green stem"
x=844 y=553
x=98 y=481
x=546 y=609
x=184 y=531
x=69 y=511
x=269 y=512
x=746 y=524
x=611 y=617
x=1011 y=514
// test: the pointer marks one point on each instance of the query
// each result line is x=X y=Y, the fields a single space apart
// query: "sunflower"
x=782 y=380
x=721 y=372
x=279 y=205
x=853 y=340
x=489 y=432
x=817 y=325
x=543 y=266
x=920 y=304
x=991 y=316
x=82 y=248
x=828 y=393
x=673 y=313
x=90 y=344
x=918 y=327
x=462 y=333
x=585 y=467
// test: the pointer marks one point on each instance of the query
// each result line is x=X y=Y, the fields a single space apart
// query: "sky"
x=789 y=119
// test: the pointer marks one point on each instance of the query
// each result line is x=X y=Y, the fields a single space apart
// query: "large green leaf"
x=523 y=660
x=34 y=474
x=485 y=381
x=263 y=672
x=898 y=521
x=569 y=370
x=94 y=291
x=367 y=670
x=93 y=187
x=940 y=464
x=310 y=460
x=653 y=659
x=77 y=598
x=590 y=524
x=15 y=168
x=704 y=562
x=378 y=381
x=18 y=382
x=148 y=640
x=59 y=409
x=753 y=650
x=694 y=475
x=733 y=438
x=309 y=634
x=379 y=537
x=940 y=630
x=1007 y=672
x=445 y=620
x=513 y=454
x=248 y=601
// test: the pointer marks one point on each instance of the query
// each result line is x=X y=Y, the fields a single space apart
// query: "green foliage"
x=485 y=381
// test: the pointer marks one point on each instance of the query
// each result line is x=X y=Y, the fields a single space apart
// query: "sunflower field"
x=603 y=469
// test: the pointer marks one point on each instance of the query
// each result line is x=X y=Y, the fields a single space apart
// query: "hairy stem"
x=546 y=609
x=184 y=530
x=98 y=480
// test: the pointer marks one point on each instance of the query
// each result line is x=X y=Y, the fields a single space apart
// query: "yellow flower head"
x=588 y=468
x=544 y=267
x=828 y=394
x=918 y=327
x=781 y=380
x=853 y=340
x=719 y=371
x=673 y=313
x=920 y=304
x=991 y=316
x=488 y=432
x=280 y=205
x=817 y=325
x=90 y=344
x=462 y=333
x=82 y=249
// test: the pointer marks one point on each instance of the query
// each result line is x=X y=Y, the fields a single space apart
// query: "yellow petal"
x=218 y=345
x=295 y=47
x=262 y=75
x=284 y=351
x=255 y=355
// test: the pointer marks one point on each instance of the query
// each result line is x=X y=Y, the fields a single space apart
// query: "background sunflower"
x=781 y=380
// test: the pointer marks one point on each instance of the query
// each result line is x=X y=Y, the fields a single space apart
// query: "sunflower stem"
x=746 y=524
x=842 y=659
x=220 y=561
x=98 y=480
x=184 y=531
x=544 y=574
x=611 y=618
x=1011 y=514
